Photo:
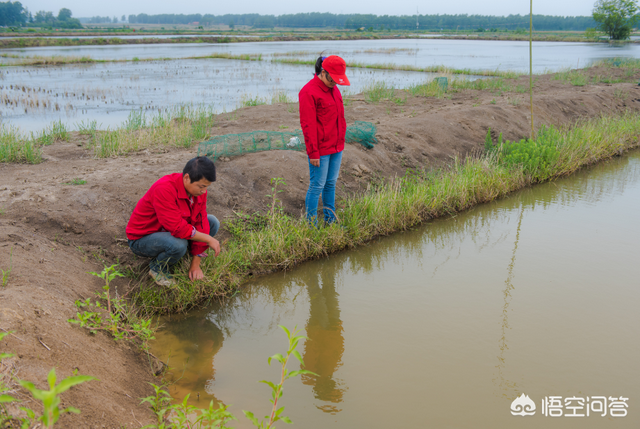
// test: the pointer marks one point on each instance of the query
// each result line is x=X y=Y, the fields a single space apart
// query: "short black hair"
x=200 y=167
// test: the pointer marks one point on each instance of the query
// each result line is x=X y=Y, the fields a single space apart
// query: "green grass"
x=15 y=148
x=395 y=206
x=404 y=67
x=378 y=91
x=76 y=181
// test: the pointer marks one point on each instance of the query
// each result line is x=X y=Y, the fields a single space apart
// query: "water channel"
x=444 y=326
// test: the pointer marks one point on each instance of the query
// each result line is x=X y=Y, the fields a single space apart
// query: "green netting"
x=363 y=133
x=236 y=144
x=229 y=145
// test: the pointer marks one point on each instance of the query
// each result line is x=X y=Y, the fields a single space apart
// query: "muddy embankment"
x=52 y=234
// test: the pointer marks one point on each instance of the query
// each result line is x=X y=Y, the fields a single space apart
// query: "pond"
x=446 y=325
x=33 y=97
x=461 y=54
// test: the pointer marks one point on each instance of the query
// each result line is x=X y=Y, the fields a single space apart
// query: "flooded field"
x=33 y=97
x=446 y=325
x=462 y=54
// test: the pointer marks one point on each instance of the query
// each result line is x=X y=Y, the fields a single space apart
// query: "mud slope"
x=58 y=232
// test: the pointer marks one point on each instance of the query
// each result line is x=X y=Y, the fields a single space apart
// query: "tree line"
x=375 y=22
x=14 y=14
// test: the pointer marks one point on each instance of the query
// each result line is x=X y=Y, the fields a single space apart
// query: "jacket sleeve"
x=166 y=207
x=308 y=123
x=197 y=247
x=342 y=122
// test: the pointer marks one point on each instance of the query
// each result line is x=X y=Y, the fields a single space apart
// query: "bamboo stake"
x=533 y=135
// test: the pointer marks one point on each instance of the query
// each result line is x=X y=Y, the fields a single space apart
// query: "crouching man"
x=172 y=217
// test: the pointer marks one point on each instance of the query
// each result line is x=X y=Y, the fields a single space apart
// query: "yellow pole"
x=533 y=135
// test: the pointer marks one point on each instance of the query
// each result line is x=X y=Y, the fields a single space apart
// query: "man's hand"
x=215 y=245
x=315 y=162
x=195 y=273
x=206 y=238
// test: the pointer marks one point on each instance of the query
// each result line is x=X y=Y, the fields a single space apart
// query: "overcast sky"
x=85 y=8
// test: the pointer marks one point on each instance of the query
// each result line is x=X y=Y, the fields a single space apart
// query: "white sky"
x=85 y=8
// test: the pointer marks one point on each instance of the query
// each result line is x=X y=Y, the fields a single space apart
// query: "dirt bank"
x=52 y=233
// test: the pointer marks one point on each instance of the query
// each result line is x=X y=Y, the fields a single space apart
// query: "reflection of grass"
x=396 y=206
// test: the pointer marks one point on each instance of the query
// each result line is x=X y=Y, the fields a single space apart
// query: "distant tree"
x=43 y=17
x=13 y=13
x=64 y=14
x=616 y=17
x=115 y=20
x=123 y=19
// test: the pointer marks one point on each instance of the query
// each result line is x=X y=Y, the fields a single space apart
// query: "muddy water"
x=446 y=325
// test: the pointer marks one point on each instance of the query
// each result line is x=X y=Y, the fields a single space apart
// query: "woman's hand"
x=315 y=162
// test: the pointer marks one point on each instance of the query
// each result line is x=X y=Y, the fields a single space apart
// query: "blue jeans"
x=165 y=249
x=322 y=181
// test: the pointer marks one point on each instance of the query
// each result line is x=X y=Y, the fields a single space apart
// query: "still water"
x=33 y=97
x=463 y=54
x=444 y=326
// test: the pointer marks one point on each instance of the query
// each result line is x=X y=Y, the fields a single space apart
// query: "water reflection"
x=324 y=346
x=517 y=295
x=508 y=388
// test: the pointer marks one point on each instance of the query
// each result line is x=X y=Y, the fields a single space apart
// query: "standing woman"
x=324 y=129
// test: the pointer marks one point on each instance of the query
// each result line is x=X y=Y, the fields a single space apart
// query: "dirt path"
x=52 y=233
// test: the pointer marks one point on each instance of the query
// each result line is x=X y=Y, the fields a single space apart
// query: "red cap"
x=336 y=67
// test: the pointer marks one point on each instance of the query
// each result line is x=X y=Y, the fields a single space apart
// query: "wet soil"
x=52 y=234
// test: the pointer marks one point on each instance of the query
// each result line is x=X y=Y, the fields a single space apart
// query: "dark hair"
x=319 y=64
x=200 y=167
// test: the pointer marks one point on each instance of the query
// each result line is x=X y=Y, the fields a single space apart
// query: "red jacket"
x=166 y=207
x=322 y=118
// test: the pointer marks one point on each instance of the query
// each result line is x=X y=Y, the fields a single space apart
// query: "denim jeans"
x=165 y=249
x=322 y=181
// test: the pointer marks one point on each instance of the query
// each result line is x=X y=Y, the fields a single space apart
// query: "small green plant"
x=87 y=127
x=493 y=101
x=185 y=416
x=59 y=131
x=399 y=100
x=535 y=157
x=6 y=273
x=248 y=101
x=273 y=207
x=51 y=398
x=116 y=318
x=75 y=181
x=277 y=389
x=620 y=94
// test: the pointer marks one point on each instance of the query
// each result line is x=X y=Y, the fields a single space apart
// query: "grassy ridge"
x=404 y=67
x=279 y=242
x=55 y=60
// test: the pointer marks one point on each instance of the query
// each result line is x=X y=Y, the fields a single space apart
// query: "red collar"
x=320 y=83
x=179 y=184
